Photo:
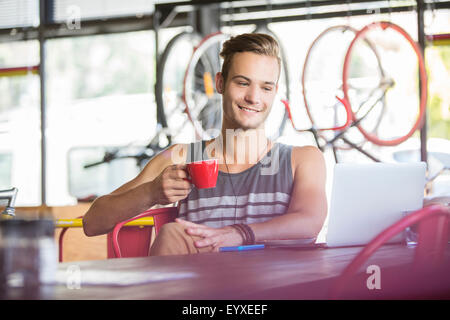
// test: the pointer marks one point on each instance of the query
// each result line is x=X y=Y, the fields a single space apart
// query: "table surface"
x=225 y=275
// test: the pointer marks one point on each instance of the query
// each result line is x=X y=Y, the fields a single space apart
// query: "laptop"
x=366 y=199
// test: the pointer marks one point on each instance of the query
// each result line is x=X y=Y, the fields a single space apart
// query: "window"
x=99 y=95
x=5 y=170
x=101 y=179
x=19 y=13
x=89 y=10
x=20 y=154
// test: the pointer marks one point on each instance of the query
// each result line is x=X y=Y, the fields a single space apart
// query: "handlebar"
x=152 y=146
x=111 y=156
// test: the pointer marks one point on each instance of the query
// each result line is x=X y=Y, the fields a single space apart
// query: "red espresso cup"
x=203 y=174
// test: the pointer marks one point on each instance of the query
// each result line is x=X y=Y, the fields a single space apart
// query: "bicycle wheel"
x=276 y=121
x=169 y=83
x=203 y=102
x=322 y=82
x=403 y=88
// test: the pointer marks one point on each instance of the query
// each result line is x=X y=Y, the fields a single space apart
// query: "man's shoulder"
x=174 y=154
x=305 y=155
x=307 y=152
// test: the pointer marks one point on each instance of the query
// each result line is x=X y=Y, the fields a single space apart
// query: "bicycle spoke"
x=401 y=123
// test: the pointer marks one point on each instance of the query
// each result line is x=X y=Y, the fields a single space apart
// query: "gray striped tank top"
x=263 y=192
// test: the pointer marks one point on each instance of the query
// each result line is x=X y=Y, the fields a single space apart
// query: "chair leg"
x=60 y=244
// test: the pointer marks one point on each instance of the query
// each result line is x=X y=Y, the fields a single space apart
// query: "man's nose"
x=252 y=95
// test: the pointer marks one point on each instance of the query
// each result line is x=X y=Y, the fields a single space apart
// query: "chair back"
x=134 y=241
x=433 y=232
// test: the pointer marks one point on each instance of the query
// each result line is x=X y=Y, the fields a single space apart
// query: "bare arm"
x=160 y=182
x=308 y=206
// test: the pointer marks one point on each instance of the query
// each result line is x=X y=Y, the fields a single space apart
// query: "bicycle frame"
x=422 y=82
x=342 y=129
x=319 y=39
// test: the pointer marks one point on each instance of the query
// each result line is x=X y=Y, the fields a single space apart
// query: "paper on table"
x=116 y=278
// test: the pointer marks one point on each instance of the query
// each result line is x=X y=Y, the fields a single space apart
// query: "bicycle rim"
x=169 y=84
x=382 y=139
x=203 y=103
x=321 y=82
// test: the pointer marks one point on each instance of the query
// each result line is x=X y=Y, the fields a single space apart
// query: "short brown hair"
x=259 y=43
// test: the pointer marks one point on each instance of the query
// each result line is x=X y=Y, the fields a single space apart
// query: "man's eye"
x=242 y=83
x=268 y=88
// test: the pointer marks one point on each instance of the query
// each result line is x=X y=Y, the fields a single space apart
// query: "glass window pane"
x=437 y=57
x=86 y=182
x=20 y=154
x=88 y=10
x=19 y=13
x=100 y=94
x=5 y=171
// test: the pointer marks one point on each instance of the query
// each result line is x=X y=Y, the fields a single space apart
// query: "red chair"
x=135 y=241
x=433 y=232
x=61 y=236
x=131 y=241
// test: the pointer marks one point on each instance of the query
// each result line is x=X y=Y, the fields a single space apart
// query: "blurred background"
x=79 y=83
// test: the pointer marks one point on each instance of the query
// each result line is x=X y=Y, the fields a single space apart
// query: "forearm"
x=289 y=226
x=108 y=210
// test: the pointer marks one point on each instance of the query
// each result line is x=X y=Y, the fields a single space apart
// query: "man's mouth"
x=248 y=109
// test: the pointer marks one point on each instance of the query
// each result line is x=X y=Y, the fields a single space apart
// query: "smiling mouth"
x=248 y=110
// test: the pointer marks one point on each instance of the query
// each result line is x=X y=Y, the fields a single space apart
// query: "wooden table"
x=272 y=273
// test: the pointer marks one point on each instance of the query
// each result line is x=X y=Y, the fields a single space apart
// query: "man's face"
x=249 y=90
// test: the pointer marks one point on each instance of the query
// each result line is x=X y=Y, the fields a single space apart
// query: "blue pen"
x=242 y=248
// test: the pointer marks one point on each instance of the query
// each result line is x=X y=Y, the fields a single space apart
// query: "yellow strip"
x=16 y=73
x=68 y=223
x=78 y=223
x=440 y=42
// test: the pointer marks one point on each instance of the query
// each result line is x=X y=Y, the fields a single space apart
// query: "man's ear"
x=219 y=82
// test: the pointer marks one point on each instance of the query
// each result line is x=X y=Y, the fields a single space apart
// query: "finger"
x=178 y=193
x=178 y=174
x=206 y=242
x=175 y=167
x=181 y=185
x=201 y=232
x=189 y=224
x=178 y=196
x=179 y=167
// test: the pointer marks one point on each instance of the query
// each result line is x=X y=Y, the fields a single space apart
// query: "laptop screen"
x=367 y=198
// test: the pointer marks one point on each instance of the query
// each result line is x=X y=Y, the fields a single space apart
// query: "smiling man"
x=265 y=190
